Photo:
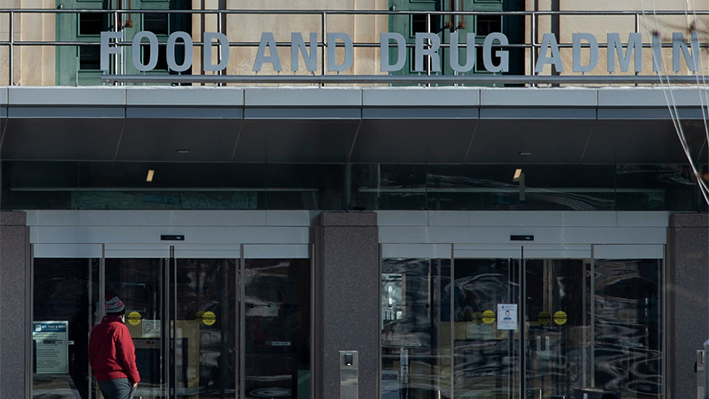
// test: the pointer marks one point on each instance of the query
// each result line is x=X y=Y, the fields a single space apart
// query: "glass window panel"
x=62 y=290
x=156 y=23
x=558 y=333
x=416 y=328
x=89 y=57
x=628 y=330
x=486 y=358
x=656 y=187
x=480 y=60
x=91 y=23
x=486 y=24
x=206 y=319
x=162 y=56
x=139 y=283
x=418 y=24
x=277 y=328
x=305 y=187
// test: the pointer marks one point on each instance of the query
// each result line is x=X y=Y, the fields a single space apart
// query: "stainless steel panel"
x=349 y=374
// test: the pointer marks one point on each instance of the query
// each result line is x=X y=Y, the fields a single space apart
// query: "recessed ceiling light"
x=183 y=151
x=151 y=173
x=517 y=175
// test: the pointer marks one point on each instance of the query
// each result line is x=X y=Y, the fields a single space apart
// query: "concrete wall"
x=14 y=314
x=33 y=65
x=347 y=300
x=687 y=293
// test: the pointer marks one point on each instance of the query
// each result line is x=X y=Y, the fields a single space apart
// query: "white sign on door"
x=506 y=316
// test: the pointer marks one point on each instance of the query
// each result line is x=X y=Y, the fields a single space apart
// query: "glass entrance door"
x=181 y=314
x=140 y=282
x=544 y=327
x=204 y=325
x=556 y=328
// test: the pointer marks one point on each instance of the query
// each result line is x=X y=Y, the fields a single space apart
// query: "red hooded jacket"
x=111 y=351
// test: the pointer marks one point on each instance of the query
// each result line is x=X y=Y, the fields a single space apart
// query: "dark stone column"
x=687 y=300
x=14 y=314
x=347 y=300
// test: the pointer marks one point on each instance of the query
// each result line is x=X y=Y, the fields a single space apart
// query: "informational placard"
x=151 y=328
x=133 y=318
x=506 y=316
x=51 y=346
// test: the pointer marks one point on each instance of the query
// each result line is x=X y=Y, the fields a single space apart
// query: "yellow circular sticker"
x=560 y=317
x=478 y=318
x=209 y=318
x=544 y=317
x=488 y=317
x=198 y=316
x=134 y=318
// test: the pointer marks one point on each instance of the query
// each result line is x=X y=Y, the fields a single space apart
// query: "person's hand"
x=135 y=384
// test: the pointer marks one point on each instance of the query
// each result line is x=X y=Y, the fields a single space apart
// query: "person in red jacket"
x=112 y=353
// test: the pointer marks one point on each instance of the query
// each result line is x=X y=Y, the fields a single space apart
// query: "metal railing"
x=530 y=45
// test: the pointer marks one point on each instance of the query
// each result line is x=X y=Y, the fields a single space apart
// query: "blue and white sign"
x=51 y=346
x=506 y=316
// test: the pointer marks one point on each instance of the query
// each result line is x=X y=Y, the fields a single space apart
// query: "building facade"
x=350 y=200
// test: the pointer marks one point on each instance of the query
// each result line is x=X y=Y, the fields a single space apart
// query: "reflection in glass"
x=206 y=350
x=557 y=332
x=416 y=329
x=139 y=283
x=61 y=292
x=584 y=326
x=486 y=363
x=277 y=328
x=628 y=349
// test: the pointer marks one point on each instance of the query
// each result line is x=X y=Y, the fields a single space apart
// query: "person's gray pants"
x=119 y=388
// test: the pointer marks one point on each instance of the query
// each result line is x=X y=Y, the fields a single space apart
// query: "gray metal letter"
x=549 y=44
x=692 y=58
x=469 y=52
x=576 y=52
x=297 y=43
x=384 y=51
x=635 y=44
x=171 y=43
x=106 y=49
x=503 y=54
x=223 y=43
x=656 y=52
x=153 y=43
x=432 y=51
x=267 y=40
x=332 y=51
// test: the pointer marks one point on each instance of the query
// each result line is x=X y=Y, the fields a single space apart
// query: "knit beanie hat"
x=114 y=305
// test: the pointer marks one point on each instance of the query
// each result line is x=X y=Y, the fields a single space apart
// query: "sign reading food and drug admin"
x=495 y=59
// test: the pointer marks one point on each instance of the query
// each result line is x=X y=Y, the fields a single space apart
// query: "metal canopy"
x=453 y=125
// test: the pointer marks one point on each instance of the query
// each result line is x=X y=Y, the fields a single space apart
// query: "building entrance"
x=209 y=322
x=542 y=324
